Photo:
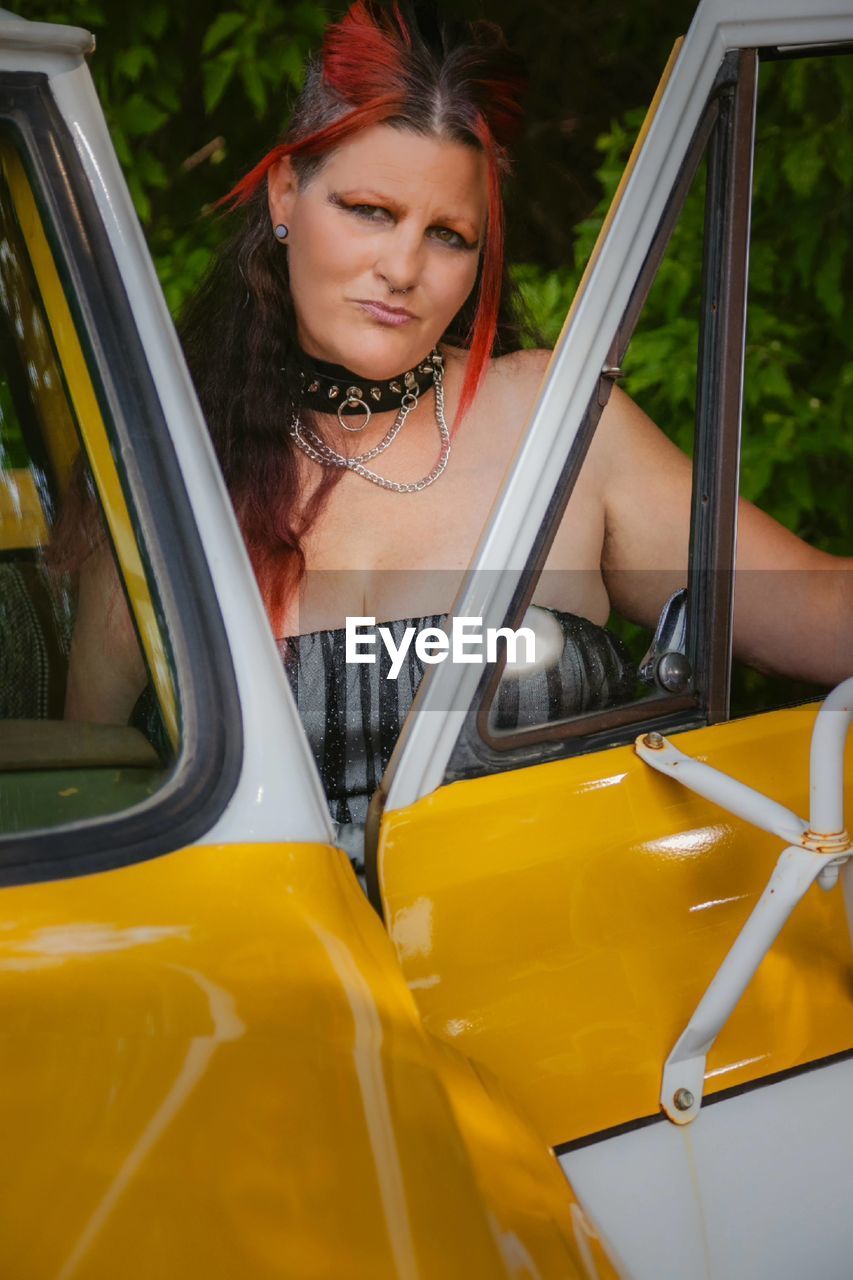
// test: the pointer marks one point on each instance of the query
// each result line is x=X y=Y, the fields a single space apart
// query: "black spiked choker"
x=330 y=388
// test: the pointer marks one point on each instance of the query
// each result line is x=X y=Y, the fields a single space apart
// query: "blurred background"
x=195 y=93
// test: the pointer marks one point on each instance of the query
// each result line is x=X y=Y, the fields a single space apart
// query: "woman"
x=356 y=357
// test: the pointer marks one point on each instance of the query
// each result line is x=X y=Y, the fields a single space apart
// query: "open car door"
x=559 y=905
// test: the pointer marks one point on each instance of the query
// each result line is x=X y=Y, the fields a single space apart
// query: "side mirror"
x=665 y=665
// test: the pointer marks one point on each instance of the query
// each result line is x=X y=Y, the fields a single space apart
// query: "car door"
x=210 y=1061
x=557 y=906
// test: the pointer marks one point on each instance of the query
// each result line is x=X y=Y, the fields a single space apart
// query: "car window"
x=682 y=361
x=61 y=509
x=92 y=495
x=608 y=668
x=661 y=657
x=797 y=458
x=604 y=661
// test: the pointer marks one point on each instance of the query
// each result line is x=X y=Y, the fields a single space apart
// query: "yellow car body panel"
x=558 y=925
x=213 y=1067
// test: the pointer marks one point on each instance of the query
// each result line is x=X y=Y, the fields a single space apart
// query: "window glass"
x=621 y=639
x=62 y=517
x=797 y=459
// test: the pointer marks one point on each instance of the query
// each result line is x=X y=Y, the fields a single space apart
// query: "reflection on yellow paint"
x=22 y=522
x=412 y=928
x=599 y=784
x=226 y=1027
x=80 y=939
x=214 y=1068
x=688 y=844
x=375 y=1100
x=574 y=926
x=716 y=902
x=728 y=1067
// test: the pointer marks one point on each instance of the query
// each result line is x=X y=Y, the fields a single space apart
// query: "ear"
x=282 y=187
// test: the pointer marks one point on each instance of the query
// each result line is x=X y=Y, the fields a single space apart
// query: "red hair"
x=370 y=61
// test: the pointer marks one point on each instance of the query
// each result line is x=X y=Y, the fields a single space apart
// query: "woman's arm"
x=106 y=673
x=793 y=604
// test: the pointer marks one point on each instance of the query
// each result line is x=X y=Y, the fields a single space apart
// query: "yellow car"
x=580 y=1027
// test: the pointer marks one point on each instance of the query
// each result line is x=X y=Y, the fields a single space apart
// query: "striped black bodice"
x=353 y=714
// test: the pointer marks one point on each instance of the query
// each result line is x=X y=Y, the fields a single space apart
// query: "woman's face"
x=389 y=210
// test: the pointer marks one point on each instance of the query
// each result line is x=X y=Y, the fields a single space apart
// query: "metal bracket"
x=665 y=664
x=814 y=850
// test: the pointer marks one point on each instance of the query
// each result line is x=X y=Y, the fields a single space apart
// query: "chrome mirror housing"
x=665 y=664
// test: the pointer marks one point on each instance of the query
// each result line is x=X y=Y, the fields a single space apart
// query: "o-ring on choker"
x=329 y=386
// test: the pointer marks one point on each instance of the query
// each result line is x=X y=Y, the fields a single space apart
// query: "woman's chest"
x=378 y=553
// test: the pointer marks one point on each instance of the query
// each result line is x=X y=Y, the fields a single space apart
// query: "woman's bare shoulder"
x=511 y=386
x=514 y=377
x=528 y=362
x=525 y=368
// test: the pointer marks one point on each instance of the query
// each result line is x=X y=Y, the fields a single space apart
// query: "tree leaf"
x=122 y=147
x=151 y=171
x=223 y=26
x=141 y=117
x=308 y=18
x=254 y=86
x=217 y=74
x=292 y=63
x=155 y=19
x=827 y=281
x=130 y=63
x=166 y=95
x=139 y=197
x=802 y=165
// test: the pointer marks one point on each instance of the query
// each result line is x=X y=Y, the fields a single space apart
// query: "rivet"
x=654 y=741
x=334 y=392
x=376 y=393
x=683 y=1099
x=395 y=386
x=315 y=386
x=355 y=393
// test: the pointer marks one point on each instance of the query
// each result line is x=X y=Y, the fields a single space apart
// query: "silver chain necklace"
x=319 y=451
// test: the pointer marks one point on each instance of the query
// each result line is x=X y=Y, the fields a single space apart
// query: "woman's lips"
x=385 y=315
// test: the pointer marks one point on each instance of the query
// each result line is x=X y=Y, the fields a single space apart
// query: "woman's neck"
x=329 y=388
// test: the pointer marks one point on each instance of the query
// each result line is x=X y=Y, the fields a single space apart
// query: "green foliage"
x=798 y=386
x=192 y=99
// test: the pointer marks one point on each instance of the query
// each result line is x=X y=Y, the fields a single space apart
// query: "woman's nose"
x=400 y=263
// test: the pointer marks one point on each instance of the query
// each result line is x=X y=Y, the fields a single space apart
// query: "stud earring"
x=280 y=231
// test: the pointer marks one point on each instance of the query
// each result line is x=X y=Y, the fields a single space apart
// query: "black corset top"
x=353 y=714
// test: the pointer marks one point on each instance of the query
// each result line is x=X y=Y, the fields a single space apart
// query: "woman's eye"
x=370 y=212
x=376 y=213
x=449 y=237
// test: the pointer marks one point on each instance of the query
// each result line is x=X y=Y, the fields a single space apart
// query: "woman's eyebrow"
x=396 y=206
x=365 y=193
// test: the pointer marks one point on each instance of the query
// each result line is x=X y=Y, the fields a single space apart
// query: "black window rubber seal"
x=210 y=757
